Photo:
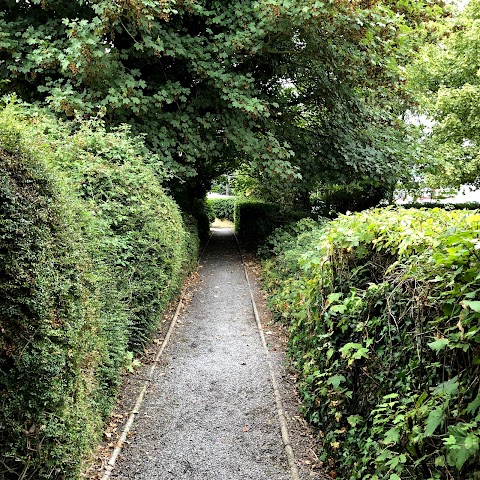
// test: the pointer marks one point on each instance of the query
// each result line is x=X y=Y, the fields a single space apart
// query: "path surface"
x=210 y=411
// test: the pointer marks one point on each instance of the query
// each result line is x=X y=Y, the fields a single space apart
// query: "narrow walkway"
x=210 y=413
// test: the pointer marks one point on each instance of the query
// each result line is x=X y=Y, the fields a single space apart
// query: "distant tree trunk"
x=227 y=185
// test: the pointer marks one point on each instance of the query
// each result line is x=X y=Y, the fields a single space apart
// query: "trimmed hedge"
x=143 y=239
x=223 y=208
x=384 y=312
x=333 y=200
x=445 y=206
x=50 y=340
x=255 y=220
x=92 y=251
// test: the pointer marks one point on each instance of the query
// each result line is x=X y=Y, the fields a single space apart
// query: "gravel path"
x=210 y=411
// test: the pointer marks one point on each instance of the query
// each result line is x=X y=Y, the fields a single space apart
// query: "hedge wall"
x=255 y=220
x=91 y=252
x=143 y=240
x=223 y=208
x=384 y=311
x=446 y=206
x=49 y=321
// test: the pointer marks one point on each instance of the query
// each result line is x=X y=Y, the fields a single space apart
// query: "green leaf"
x=439 y=344
x=450 y=387
x=336 y=380
x=474 y=404
x=471 y=442
x=392 y=436
x=472 y=304
x=457 y=457
x=354 y=420
x=434 y=419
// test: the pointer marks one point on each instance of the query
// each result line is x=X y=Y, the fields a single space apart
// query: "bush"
x=223 y=208
x=127 y=250
x=354 y=197
x=255 y=220
x=203 y=215
x=49 y=320
x=288 y=237
x=383 y=313
x=142 y=239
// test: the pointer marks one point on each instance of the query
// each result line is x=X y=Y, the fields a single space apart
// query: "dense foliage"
x=287 y=237
x=255 y=220
x=223 y=207
x=446 y=75
x=384 y=316
x=142 y=239
x=50 y=331
x=297 y=90
x=331 y=200
x=88 y=264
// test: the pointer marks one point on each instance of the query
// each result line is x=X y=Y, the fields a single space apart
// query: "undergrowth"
x=383 y=309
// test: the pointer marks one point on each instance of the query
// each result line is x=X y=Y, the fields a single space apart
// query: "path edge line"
x=141 y=395
x=278 y=396
x=138 y=403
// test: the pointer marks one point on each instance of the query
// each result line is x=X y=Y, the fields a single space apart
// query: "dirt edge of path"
x=302 y=435
x=132 y=383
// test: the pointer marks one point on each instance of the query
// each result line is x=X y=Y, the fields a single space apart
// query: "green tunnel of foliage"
x=383 y=308
x=91 y=252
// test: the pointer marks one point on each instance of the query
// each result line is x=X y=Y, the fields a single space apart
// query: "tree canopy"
x=447 y=75
x=296 y=90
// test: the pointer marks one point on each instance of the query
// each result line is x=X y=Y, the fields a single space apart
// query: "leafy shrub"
x=49 y=320
x=223 y=208
x=384 y=317
x=99 y=255
x=143 y=238
x=203 y=215
x=287 y=237
x=255 y=220
x=192 y=244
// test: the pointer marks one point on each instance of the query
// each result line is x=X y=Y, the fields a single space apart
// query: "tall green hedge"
x=255 y=220
x=143 y=238
x=223 y=207
x=91 y=251
x=384 y=313
x=49 y=320
x=446 y=206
